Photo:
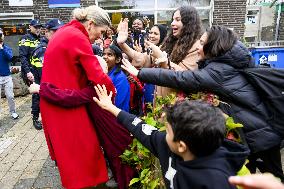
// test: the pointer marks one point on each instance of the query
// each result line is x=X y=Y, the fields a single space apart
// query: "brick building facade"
x=229 y=13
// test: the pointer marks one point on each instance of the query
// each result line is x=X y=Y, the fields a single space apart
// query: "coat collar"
x=78 y=25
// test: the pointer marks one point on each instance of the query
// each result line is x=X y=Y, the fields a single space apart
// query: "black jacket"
x=26 y=46
x=38 y=53
x=202 y=173
x=221 y=76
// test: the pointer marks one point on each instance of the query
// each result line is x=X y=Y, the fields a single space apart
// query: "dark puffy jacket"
x=221 y=76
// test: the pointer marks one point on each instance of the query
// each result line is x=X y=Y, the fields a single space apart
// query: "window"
x=158 y=11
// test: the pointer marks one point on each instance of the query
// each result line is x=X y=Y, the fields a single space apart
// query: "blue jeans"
x=7 y=83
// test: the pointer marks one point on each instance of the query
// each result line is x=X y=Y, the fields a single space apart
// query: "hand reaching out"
x=129 y=68
x=138 y=47
x=122 y=30
x=257 y=181
x=104 y=100
x=34 y=88
x=156 y=51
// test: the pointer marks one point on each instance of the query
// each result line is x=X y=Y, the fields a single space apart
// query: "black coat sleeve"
x=187 y=81
x=148 y=135
x=24 y=54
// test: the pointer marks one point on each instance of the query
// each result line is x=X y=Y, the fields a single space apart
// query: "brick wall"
x=230 y=13
x=41 y=10
x=281 y=25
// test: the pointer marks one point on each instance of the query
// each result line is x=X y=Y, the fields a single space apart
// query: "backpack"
x=269 y=84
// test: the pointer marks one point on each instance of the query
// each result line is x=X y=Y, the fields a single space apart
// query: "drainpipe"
x=278 y=21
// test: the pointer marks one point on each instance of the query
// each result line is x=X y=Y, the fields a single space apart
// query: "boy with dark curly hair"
x=192 y=152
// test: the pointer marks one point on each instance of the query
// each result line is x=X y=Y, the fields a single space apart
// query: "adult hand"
x=155 y=50
x=257 y=181
x=138 y=47
x=129 y=68
x=30 y=76
x=122 y=30
x=177 y=67
x=34 y=88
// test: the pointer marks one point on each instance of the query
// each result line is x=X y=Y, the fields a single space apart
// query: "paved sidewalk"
x=24 y=158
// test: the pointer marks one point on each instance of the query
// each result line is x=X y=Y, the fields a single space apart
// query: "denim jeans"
x=7 y=83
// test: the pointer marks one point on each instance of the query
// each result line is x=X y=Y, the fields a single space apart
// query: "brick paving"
x=24 y=158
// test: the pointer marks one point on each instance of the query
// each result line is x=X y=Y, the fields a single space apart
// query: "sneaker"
x=14 y=115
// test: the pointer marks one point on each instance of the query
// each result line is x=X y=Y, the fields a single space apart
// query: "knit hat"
x=163 y=32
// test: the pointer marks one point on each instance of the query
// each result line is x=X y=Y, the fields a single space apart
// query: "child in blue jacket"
x=113 y=57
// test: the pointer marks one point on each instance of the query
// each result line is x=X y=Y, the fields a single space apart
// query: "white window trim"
x=17 y=16
x=155 y=9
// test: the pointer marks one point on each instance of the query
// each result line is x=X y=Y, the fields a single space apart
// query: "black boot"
x=37 y=124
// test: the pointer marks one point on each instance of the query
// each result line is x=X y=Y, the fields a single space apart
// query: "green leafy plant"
x=146 y=164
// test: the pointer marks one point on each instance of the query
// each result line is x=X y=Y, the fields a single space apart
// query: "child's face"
x=170 y=139
x=110 y=58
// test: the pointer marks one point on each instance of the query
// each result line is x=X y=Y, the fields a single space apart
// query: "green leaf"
x=144 y=173
x=134 y=180
x=150 y=121
x=230 y=124
x=154 y=183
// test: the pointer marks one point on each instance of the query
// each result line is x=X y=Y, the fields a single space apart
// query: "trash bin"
x=274 y=56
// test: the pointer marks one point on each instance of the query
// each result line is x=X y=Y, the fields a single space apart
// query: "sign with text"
x=63 y=3
x=20 y=2
x=14 y=30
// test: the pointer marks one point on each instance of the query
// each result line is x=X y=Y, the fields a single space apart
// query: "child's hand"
x=104 y=100
x=129 y=68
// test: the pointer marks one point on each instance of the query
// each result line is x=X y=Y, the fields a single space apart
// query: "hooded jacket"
x=210 y=171
x=222 y=77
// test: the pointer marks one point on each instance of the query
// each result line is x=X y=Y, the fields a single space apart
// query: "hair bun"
x=79 y=14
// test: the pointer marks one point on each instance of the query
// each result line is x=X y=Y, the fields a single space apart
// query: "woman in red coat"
x=69 y=63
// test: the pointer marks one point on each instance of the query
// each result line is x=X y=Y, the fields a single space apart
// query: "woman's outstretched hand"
x=104 y=100
x=34 y=88
x=129 y=68
x=122 y=30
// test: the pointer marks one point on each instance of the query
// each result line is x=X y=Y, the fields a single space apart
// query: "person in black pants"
x=37 y=63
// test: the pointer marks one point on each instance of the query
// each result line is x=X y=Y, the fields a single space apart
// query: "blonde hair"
x=94 y=13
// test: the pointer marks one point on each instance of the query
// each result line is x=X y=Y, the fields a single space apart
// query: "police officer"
x=37 y=56
x=26 y=46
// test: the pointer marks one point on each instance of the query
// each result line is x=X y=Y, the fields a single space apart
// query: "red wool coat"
x=72 y=141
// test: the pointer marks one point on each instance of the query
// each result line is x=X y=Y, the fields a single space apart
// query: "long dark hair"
x=220 y=40
x=178 y=48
